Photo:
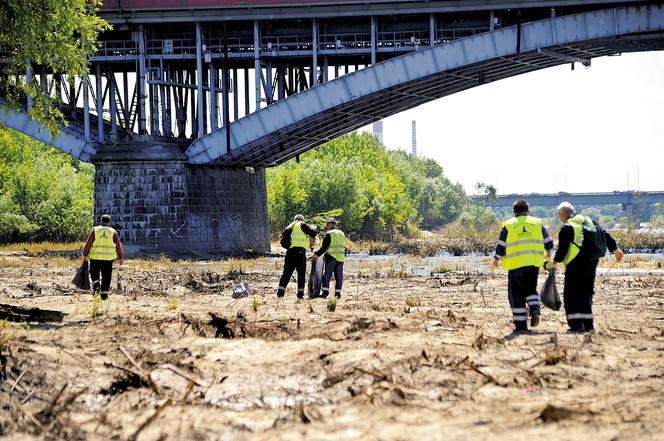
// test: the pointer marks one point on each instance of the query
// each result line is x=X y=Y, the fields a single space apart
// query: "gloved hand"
x=496 y=263
x=619 y=255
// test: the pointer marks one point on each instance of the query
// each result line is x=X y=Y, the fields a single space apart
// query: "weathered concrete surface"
x=159 y=203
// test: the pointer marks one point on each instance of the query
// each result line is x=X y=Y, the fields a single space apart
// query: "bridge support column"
x=161 y=204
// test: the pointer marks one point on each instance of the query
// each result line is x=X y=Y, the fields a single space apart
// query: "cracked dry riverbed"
x=416 y=350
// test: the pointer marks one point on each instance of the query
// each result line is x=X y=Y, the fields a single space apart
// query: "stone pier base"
x=161 y=204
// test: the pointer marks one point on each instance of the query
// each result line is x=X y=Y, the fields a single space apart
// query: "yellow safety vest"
x=337 y=247
x=576 y=222
x=103 y=248
x=524 y=245
x=298 y=238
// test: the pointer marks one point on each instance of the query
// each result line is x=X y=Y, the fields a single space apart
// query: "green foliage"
x=479 y=218
x=373 y=192
x=486 y=194
x=44 y=194
x=56 y=36
x=172 y=304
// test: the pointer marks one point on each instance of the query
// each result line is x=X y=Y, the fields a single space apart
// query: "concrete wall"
x=168 y=206
x=227 y=209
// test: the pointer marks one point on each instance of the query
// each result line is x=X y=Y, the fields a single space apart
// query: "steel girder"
x=70 y=140
x=298 y=123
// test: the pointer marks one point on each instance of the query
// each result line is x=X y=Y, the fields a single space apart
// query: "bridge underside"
x=296 y=124
x=290 y=141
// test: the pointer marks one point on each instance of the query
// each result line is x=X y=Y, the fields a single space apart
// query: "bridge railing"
x=174 y=46
x=408 y=40
x=447 y=35
x=117 y=48
x=286 y=43
x=389 y=41
x=236 y=45
x=344 y=41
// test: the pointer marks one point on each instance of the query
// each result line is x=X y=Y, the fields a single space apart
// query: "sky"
x=592 y=129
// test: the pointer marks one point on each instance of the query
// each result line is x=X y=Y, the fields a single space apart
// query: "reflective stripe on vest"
x=103 y=248
x=524 y=245
x=297 y=237
x=337 y=247
x=576 y=222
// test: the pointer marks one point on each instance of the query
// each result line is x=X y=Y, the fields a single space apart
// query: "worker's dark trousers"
x=296 y=260
x=578 y=293
x=105 y=267
x=522 y=290
x=333 y=266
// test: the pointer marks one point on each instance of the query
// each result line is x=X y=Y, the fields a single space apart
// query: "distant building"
x=414 y=139
x=378 y=130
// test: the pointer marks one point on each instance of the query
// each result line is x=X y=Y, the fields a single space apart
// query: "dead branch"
x=182 y=374
x=144 y=374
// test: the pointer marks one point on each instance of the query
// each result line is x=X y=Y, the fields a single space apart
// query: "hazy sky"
x=591 y=129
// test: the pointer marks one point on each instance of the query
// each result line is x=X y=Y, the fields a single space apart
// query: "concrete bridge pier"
x=161 y=204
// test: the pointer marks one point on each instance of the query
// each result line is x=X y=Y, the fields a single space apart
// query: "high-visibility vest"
x=103 y=248
x=337 y=247
x=576 y=222
x=524 y=245
x=297 y=237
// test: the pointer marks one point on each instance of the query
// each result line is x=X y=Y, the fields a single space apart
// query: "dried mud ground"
x=417 y=349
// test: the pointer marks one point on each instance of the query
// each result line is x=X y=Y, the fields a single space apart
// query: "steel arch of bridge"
x=70 y=140
x=296 y=124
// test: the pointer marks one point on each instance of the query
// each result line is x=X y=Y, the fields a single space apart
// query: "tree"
x=51 y=36
x=377 y=192
x=44 y=194
x=486 y=194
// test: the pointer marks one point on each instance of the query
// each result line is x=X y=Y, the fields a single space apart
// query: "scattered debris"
x=21 y=314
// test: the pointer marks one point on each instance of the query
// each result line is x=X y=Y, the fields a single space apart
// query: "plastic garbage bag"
x=550 y=296
x=241 y=290
x=316 y=277
x=82 y=277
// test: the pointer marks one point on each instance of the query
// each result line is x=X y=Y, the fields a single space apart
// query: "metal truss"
x=301 y=122
x=284 y=87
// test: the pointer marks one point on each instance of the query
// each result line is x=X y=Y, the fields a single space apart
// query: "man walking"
x=294 y=239
x=580 y=265
x=103 y=247
x=334 y=247
x=522 y=246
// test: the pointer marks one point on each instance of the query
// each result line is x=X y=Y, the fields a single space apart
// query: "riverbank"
x=409 y=353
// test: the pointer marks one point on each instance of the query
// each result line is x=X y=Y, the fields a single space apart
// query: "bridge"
x=637 y=204
x=624 y=198
x=187 y=101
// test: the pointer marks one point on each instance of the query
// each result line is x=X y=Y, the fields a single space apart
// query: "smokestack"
x=378 y=130
x=414 y=149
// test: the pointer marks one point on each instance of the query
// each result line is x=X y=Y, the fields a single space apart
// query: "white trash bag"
x=241 y=290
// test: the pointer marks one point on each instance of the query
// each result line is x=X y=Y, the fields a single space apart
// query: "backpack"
x=594 y=240
x=285 y=241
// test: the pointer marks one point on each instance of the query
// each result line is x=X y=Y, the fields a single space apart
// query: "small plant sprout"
x=332 y=304
x=413 y=303
x=254 y=303
x=172 y=304
x=96 y=306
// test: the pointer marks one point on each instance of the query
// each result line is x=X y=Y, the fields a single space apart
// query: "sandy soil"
x=415 y=350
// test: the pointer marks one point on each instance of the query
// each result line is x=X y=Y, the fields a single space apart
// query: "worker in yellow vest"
x=334 y=248
x=295 y=238
x=522 y=247
x=580 y=265
x=103 y=247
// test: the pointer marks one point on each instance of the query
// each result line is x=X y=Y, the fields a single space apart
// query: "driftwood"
x=20 y=314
